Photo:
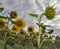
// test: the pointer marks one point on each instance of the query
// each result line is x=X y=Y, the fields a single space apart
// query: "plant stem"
x=5 y=46
x=6 y=43
x=40 y=32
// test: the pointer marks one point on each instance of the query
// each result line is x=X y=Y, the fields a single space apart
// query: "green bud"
x=50 y=12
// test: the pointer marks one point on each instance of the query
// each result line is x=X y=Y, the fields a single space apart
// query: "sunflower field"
x=13 y=35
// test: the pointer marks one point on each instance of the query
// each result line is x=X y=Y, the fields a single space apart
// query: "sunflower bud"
x=50 y=12
x=13 y=14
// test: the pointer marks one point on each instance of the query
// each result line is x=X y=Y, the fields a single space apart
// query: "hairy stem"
x=40 y=32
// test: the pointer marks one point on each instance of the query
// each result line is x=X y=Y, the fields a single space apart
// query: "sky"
x=25 y=7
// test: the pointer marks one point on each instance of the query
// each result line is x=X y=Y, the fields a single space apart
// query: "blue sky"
x=25 y=7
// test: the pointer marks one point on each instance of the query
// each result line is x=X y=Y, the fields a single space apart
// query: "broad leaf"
x=48 y=44
x=57 y=42
x=50 y=31
x=34 y=15
x=3 y=17
x=1 y=9
x=18 y=23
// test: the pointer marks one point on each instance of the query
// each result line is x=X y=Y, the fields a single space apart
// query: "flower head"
x=50 y=12
x=7 y=35
x=20 y=23
x=30 y=29
x=3 y=24
x=22 y=33
x=13 y=14
x=14 y=28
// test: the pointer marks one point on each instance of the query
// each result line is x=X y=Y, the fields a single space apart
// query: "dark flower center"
x=30 y=29
x=14 y=14
x=22 y=32
x=1 y=24
x=14 y=28
x=8 y=35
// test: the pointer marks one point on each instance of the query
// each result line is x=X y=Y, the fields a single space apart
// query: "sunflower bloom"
x=30 y=29
x=13 y=14
x=14 y=28
x=7 y=35
x=3 y=24
x=20 y=23
x=22 y=33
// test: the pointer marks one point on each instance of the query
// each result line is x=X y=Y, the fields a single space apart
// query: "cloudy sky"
x=25 y=7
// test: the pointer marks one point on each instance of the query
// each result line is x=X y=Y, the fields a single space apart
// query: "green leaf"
x=37 y=24
x=34 y=15
x=1 y=44
x=1 y=9
x=43 y=26
x=18 y=23
x=40 y=25
x=1 y=26
x=48 y=44
x=3 y=17
x=11 y=42
x=30 y=46
x=50 y=31
x=57 y=42
x=48 y=26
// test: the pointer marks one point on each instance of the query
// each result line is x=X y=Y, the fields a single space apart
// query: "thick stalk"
x=40 y=32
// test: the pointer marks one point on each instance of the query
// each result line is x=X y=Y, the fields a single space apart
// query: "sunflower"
x=3 y=24
x=30 y=29
x=20 y=23
x=14 y=28
x=22 y=33
x=7 y=35
x=13 y=14
x=50 y=12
